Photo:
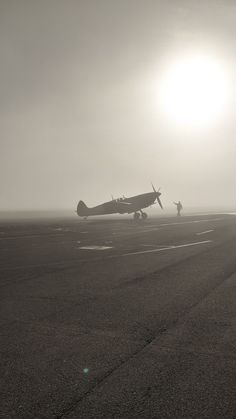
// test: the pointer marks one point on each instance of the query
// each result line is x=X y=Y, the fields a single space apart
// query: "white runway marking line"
x=167 y=248
x=107 y=257
x=148 y=245
x=95 y=247
x=190 y=222
x=155 y=245
x=204 y=232
x=152 y=228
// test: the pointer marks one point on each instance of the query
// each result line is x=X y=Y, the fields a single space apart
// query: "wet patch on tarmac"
x=95 y=247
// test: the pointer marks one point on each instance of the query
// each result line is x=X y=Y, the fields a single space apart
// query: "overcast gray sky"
x=78 y=97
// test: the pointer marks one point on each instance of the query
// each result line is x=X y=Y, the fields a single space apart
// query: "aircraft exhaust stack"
x=82 y=209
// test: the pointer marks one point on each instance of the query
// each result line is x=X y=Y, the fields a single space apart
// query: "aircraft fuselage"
x=119 y=206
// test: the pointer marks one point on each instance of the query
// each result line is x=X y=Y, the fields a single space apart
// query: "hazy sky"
x=80 y=117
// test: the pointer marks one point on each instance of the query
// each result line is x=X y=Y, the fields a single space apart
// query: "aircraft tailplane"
x=82 y=209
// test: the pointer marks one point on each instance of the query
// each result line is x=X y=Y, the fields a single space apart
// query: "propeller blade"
x=159 y=202
x=158 y=193
x=154 y=190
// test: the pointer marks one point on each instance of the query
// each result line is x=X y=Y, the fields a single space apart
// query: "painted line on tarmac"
x=151 y=228
x=75 y=261
x=59 y=233
x=204 y=232
x=166 y=248
x=191 y=222
x=155 y=245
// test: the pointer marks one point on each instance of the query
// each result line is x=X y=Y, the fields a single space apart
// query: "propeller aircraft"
x=134 y=204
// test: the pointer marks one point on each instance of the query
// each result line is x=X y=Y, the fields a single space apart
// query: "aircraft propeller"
x=158 y=194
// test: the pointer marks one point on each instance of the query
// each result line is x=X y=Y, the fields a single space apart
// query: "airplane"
x=123 y=205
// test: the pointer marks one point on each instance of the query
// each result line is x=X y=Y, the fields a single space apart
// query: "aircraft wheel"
x=144 y=215
x=136 y=215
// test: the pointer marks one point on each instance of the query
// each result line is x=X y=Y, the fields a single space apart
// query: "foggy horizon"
x=81 y=117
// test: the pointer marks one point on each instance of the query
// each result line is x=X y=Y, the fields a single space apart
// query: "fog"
x=80 y=118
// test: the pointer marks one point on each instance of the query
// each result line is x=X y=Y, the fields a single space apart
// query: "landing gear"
x=136 y=216
x=142 y=214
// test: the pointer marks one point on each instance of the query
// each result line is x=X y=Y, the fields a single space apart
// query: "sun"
x=194 y=91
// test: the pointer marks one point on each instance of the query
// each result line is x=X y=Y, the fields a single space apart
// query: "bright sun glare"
x=195 y=91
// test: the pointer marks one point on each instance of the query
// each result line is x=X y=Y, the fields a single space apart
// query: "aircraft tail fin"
x=82 y=209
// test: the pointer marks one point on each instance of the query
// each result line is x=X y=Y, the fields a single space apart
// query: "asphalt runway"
x=118 y=319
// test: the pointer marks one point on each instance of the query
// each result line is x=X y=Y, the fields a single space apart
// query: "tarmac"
x=112 y=318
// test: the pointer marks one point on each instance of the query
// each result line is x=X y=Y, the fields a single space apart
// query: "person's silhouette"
x=179 y=208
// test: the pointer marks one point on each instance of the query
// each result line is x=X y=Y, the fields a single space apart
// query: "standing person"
x=179 y=208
